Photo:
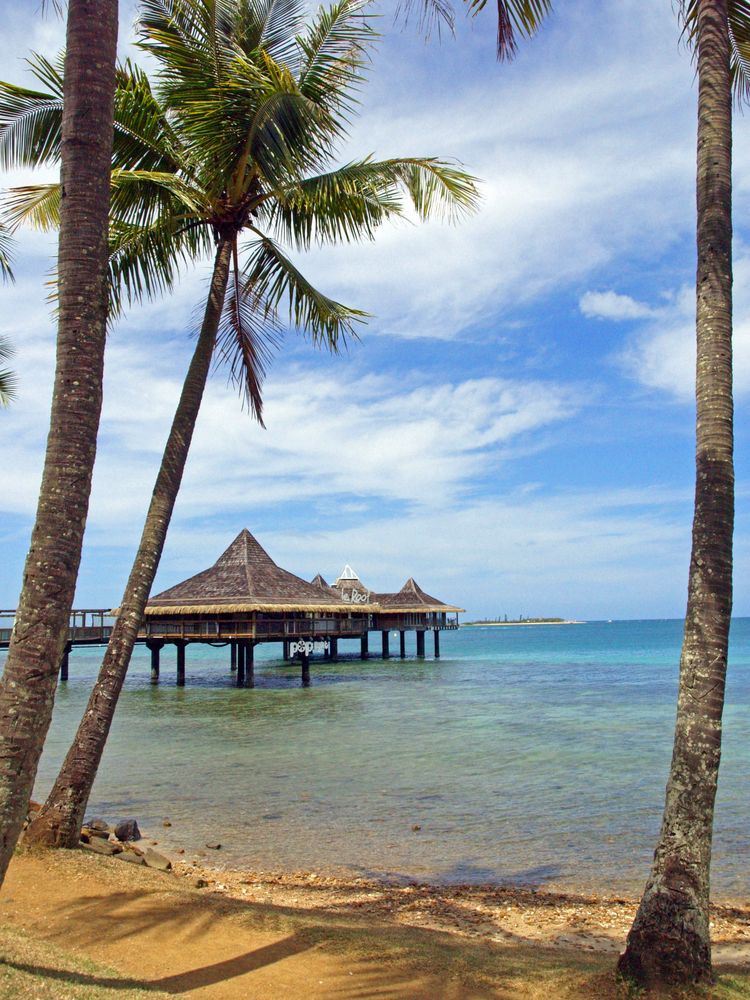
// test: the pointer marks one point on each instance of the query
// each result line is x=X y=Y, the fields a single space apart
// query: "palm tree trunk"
x=59 y=822
x=669 y=940
x=27 y=688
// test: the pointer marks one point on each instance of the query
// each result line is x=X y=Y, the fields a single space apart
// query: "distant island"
x=483 y=622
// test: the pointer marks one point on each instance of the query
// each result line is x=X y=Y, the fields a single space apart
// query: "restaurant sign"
x=307 y=646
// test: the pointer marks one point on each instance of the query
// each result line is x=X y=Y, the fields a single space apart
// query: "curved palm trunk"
x=27 y=688
x=59 y=822
x=669 y=940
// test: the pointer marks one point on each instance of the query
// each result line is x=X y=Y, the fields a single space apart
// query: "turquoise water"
x=534 y=755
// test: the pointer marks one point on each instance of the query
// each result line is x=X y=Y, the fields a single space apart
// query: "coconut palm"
x=234 y=141
x=669 y=941
x=28 y=683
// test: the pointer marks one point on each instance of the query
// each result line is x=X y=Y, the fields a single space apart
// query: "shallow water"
x=535 y=755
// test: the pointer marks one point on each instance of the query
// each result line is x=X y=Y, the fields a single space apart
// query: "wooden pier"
x=245 y=599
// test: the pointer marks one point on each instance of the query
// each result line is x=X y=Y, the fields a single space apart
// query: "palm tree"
x=28 y=682
x=235 y=141
x=669 y=941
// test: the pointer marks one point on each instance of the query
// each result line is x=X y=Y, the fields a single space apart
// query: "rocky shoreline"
x=502 y=914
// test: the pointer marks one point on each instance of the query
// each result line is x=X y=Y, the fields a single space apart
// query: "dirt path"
x=159 y=931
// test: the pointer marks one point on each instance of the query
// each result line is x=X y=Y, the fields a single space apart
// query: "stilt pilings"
x=155 y=646
x=420 y=642
x=180 y=663
x=65 y=661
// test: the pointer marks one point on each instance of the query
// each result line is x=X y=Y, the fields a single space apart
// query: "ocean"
x=535 y=755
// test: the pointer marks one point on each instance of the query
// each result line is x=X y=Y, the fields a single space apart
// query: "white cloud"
x=661 y=355
x=613 y=306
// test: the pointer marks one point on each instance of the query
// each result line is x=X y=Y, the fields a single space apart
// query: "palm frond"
x=145 y=261
x=350 y=203
x=431 y=15
x=436 y=187
x=143 y=136
x=270 y=25
x=8 y=379
x=139 y=196
x=249 y=334
x=30 y=127
x=738 y=16
x=334 y=53
x=272 y=277
x=6 y=254
x=36 y=205
x=515 y=19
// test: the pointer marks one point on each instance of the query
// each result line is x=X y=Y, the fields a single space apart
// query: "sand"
x=253 y=935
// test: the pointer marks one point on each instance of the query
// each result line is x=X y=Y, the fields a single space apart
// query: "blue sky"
x=516 y=427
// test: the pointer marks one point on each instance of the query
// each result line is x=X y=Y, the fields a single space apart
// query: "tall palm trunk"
x=27 y=688
x=59 y=822
x=669 y=940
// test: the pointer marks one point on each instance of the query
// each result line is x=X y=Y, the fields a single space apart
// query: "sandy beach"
x=206 y=933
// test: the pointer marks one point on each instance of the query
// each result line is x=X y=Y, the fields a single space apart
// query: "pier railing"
x=87 y=625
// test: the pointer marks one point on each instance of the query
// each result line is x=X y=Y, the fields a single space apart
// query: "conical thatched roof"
x=318 y=581
x=244 y=578
x=411 y=597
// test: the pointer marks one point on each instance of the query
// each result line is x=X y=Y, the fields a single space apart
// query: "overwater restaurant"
x=245 y=599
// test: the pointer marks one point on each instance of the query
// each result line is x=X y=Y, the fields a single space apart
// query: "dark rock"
x=97 y=824
x=95 y=833
x=99 y=846
x=127 y=830
x=155 y=860
x=416 y=828
x=199 y=883
x=214 y=847
x=132 y=858
x=166 y=822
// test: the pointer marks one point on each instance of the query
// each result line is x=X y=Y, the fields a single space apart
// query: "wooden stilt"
x=436 y=634
x=249 y=664
x=233 y=656
x=65 y=661
x=334 y=654
x=241 y=652
x=286 y=654
x=364 y=646
x=180 y=663
x=420 y=642
x=386 y=649
x=154 y=647
x=305 y=659
x=402 y=644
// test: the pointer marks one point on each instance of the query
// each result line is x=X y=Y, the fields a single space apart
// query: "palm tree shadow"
x=181 y=982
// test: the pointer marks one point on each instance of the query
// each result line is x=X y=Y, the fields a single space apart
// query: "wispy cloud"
x=613 y=306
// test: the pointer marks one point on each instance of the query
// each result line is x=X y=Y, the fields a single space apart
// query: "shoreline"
x=559 y=918
x=230 y=935
x=567 y=621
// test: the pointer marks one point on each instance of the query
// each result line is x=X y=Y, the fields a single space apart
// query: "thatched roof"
x=244 y=578
x=351 y=588
x=411 y=597
x=318 y=581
